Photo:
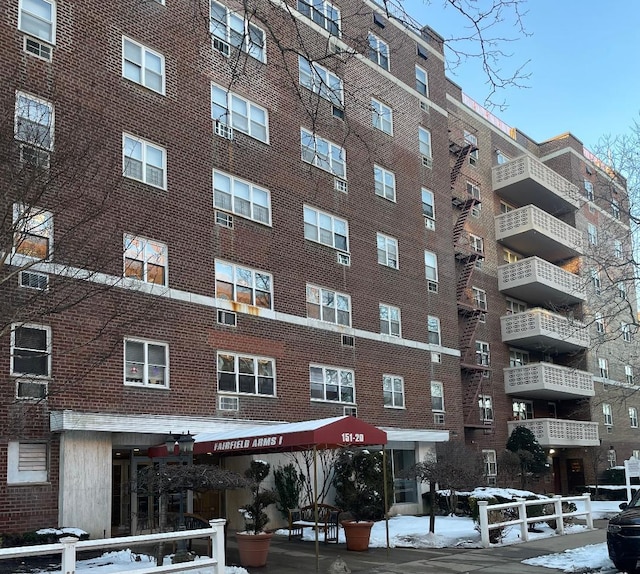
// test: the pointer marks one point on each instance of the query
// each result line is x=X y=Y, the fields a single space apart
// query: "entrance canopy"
x=322 y=433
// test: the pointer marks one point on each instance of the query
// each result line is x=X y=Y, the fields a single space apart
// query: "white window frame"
x=633 y=417
x=378 y=51
x=599 y=321
x=628 y=374
x=328 y=17
x=595 y=281
x=24 y=14
x=32 y=222
x=428 y=205
x=615 y=208
x=485 y=403
x=622 y=290
x=483 y=353
x=323 y=153
x=381 y=117
x=592 y=234
x=328 y=301
x=490 y=463
x=256 y=361
x=146 y=56
x=617 y=249
x=340 y=374
x=474 y=191
x=479 y=298
x=431 y=266
x=130 y=144
x=147 y=365
x=603 y=367
x=625 y=329
x=433 y=330
x=424 y=142
x=393 y=392
x=518 y=358
x=241 y=114
x=389 y=317
x=321 y=81
x=38 y=352
x=317 y=225
x=385 y=183
x=27 y=462
x=40 y=115
x=476 y=243
x=229 y=32
x=501 y=157
x=148 y=252
x=241 y=197
x=387 y=248
x=472 y=139
x=522 y=409
x=607 y=414
x=251 y=280
x=514 y=306
x=422 y=81
x=437 y=396
x=588 y=190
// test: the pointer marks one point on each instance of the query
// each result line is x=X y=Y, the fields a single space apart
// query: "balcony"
x=530 y=230
x=526 y=180
x=541 y=330
x=547 y=381
x=554 y=433
x=539 y=282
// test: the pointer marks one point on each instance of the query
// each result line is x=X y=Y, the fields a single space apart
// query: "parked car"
x=623 y=537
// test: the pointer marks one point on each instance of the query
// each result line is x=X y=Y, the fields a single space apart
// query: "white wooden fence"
x=520 y=506
x=69 y=546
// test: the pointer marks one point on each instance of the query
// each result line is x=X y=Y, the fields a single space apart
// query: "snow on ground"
x=592 y=558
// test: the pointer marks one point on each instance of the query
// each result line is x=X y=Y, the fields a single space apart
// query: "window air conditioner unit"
x=424 y=106
x=427 y=161
x=341 y=185
x=432 y=286
x=348 y=341
x=429 y=223
x=221 y=46
x=224 y=219
x=34 y=156
x=31 y=390
x=438 y=418
x=37 y=48
x=344 y=259
x=223 y=130
x=33 y=280
x=228 y=403
x=228 y=318
x=351 y=411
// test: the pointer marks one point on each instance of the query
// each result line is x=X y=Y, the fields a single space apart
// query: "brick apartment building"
x=220 y=217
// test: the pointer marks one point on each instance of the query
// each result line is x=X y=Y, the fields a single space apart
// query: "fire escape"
x=475 y=376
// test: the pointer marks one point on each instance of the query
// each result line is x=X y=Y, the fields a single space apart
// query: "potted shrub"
x=359 y=485
x=253 y=542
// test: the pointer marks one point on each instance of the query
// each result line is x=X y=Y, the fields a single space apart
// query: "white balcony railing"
x=547 y=381
x=560 y=432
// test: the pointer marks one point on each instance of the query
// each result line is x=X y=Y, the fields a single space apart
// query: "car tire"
x=628 y=567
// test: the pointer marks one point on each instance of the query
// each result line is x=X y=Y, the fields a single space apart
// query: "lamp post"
x=184 y=442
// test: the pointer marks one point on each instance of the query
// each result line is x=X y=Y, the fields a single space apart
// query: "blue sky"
x=584 y=66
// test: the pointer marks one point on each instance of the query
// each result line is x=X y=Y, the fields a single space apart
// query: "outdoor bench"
x=305 y=517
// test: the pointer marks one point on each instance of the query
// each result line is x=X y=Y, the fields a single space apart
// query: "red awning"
x=324 y=433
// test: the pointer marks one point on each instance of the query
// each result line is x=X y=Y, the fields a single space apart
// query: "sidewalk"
x=299 y=557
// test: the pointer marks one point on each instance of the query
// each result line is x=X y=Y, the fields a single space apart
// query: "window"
x=592 y=234
x=422 y=81
x=31 y=350
x=329 y=306
x=588 y=190
x=490 y=464
x=393 y=391
x=38 y=19
x=387 y=250
x=501 y=157
x=518 y=358
x=424 y=139
x=522 y=410
x=331 y=384
x=234 y=111
x=381 y=117
x=607 y=414
x=144 y=161
x=628 y=374
x=33 y=127
x=622 y=290
x=472 y=140
x=33 y=231
x=232 y=29
x=633 y=417
x=599 y=320
x=479 y=298
x=145 y=260
x=326 y=229
x=474 y=191
x=321 y=81
x=433 y=330
x=146 y=363
x=429 y=207
x=243 y=285
x=603 y=366
x=437 y=396
x=241 y=197
x=385 y=183
x=514 y=306
x=323 y=154
x=142 y=65
x=246 y=374
x=595 y=281
x=483 y=356
x=27 y=462
x=617 y=248
x=390 y=320
x=378 y=51
x=405 y=490
x=322 y=13
x=485 y=402
x=615 y=208
x=431 y=266
x=476 y=243
x=612 y=457
x=510 y=256
x=625 y=329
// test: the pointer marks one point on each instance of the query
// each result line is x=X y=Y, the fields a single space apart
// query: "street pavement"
x=297 y=557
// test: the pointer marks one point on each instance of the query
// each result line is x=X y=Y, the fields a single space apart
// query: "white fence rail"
x=69 y=546
x=520 y=506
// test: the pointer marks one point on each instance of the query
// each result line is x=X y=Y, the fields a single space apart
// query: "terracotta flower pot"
x=253 y=548
x=357 y=534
